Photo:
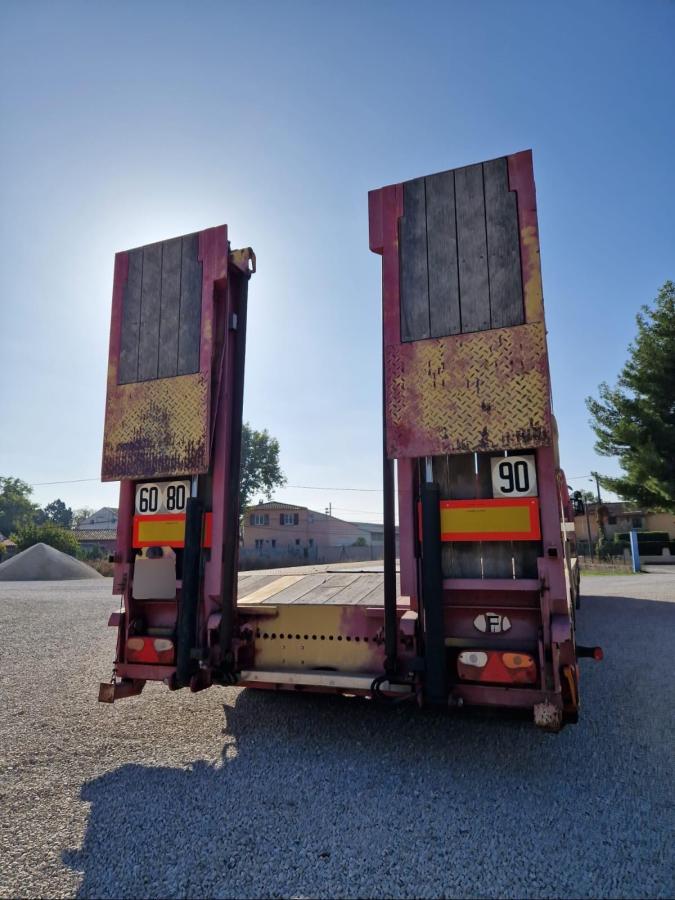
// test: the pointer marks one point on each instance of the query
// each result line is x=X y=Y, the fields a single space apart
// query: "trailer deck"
x=339 y=585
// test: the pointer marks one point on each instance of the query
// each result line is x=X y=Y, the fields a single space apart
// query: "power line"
x=70 y=481
x=304 y=487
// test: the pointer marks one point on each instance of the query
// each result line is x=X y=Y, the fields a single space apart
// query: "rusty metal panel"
x=156 y=428
x=466 y=393
x=161 y=426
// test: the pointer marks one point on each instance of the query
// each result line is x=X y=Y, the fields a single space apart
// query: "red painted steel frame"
x=385 y=211
x=218 y=305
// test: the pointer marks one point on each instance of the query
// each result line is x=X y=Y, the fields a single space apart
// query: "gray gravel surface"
x=233 y=793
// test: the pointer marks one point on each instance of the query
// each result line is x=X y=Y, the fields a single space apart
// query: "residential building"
x=621 y=517
x=277 y=529
x=103 y=519
x=98 y=530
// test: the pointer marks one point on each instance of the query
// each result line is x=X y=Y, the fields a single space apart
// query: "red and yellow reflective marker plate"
x=490 y=520
x=166 y=531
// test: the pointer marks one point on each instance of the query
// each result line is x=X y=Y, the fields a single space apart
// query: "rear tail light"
x=150 y=650
x=496 y=667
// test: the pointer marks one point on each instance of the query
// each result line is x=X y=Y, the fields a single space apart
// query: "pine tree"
x=635 y=421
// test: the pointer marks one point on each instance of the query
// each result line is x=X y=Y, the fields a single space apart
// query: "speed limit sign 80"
x=514 y=476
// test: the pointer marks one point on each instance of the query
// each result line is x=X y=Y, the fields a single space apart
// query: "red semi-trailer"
x=480 y=609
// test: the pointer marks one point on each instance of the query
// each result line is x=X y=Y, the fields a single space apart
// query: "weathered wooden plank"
x=503 y=246
x=444 y=315
x=414 y=271
x=329 y=591
x=131 y=318
x=359 y=589
x=170 y=309
x=270 y=587
x=190 y=320
x=526 y=553
x=474 y=288
x=525 y=558
x=464 y=560
x=441 y=474
x=300 y=591
x=148 y=338
x=497 y=556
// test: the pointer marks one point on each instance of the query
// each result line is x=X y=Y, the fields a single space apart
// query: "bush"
x=48 y=533
x=102 y=566
x=92 y=554
x=644 y=537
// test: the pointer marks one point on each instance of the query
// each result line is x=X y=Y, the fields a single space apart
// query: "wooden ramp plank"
x=414 y=272
x=444 y=315
x=148 y=338
x=190 y=317
x=472 y=249
x=170 y=306
x=503 y=245
x=131 y=319
x=276 y=585
x=326 y=592
x=354 y=593
x=297 y=589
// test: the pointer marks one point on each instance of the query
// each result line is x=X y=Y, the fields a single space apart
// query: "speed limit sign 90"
x=162 y=497
x=514 y=476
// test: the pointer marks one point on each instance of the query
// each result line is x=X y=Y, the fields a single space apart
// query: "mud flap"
x=109 y=691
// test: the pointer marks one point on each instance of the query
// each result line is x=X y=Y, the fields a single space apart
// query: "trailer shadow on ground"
x=327 y=796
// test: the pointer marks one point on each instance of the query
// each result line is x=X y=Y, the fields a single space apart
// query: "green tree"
x=83 y=513
x=58 y=513
x=16 y=507
x=60 y=538
x=260 y=470
x=635 y=421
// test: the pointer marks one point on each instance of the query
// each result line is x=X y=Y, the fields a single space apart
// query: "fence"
x=618 y=565
x=272 y=558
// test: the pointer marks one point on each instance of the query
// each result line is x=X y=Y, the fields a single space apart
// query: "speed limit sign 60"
x=514 y=476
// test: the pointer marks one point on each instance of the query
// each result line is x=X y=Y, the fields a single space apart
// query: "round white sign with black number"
x=514 y=476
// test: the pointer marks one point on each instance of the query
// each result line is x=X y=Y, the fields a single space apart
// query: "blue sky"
x=125 y=123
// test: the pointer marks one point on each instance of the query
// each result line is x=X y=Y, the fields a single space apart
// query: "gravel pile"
x=234 y=793
x=43 y=563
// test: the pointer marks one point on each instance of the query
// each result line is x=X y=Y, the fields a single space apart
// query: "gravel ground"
x=233 y=793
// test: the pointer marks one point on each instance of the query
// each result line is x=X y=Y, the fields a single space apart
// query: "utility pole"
x=588 y=528
x=329 y=509
x=597 y=486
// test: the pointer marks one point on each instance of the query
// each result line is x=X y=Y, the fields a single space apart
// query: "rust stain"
x=156 y=428
x=484 y=391
x=532 y=288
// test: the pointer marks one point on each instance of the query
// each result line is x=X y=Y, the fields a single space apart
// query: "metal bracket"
x=244 y=260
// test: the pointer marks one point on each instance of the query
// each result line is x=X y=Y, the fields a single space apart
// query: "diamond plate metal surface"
x=473 y=392
x=157 y=428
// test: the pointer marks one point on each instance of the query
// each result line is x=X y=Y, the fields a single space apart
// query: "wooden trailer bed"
x=343 y=585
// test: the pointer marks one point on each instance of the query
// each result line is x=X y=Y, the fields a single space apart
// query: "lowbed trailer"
x=480 y=609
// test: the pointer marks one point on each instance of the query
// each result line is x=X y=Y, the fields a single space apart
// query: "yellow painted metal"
x=532 y=288
x=170 y=532
x=473 y=392
x=475 y=519
x=307 y=636
x=156 y=428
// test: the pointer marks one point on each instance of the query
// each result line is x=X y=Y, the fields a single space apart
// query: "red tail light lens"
x=495 y=667
x=159 y=651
